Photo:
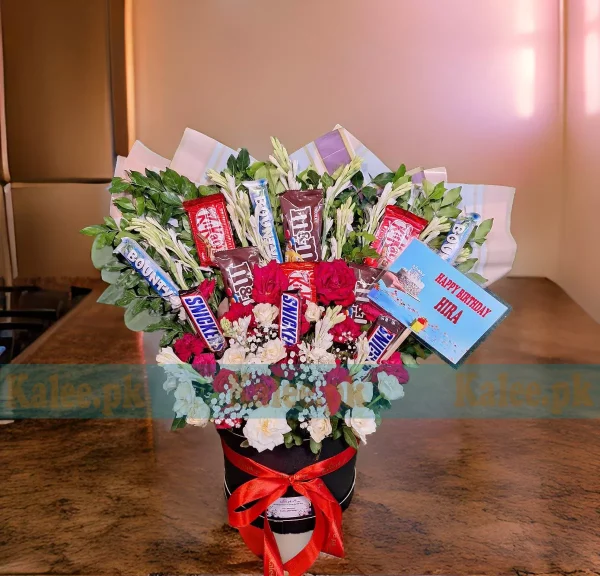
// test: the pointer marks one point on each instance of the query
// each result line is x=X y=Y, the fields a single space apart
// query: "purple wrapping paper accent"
x=332 y=150
x=418 y=178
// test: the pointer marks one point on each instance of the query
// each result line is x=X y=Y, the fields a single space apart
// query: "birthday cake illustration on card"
x=411 y=281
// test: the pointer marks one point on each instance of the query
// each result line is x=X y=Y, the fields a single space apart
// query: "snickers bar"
x=289 y=321
x=202 y=319
x=382 y=335
x=149 y=270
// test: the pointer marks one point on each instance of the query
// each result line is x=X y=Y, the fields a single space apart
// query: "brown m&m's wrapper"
x=236 y=268
x=302 y=222
x=366 y=276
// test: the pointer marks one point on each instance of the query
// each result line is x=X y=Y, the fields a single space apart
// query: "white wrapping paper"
x=198 y=152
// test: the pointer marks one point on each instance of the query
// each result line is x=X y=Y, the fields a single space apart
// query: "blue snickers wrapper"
x=455 y=241
x=259 y=196
x=382 y=335
x=202 y=319
x=289 y=318
x=149 y=270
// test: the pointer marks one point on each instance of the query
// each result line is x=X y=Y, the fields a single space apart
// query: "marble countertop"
x=433 y=496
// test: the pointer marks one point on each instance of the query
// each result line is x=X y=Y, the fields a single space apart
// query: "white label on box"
x=294 y=507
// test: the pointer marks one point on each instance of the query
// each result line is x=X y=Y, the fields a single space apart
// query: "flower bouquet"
x=258 y=275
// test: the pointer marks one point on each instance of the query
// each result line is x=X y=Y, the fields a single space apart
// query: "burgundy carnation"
x=206 y=288
x=393 y=366
x=335 y=283
x=346 y=331
x=205 y=364
x=269 y=283
x=187 y=345
x=338 y=375
x=263 y=389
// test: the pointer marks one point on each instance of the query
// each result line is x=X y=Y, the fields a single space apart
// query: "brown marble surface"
x=433 y=496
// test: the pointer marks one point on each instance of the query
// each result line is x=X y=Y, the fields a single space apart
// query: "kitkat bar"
x=301 y=276
x=366 y=277
x=302 y=222
x=210 y=226
x=236 y=269
x=395 y=232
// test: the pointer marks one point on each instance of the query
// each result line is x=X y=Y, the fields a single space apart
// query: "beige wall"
x=580 y=263
x=469 y=84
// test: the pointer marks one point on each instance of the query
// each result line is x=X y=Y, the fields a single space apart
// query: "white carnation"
x=362 y=422
x=185 y=396
x=313 y=312
x=389 y=387
x=233 y=356
x=265 y=428
x=198 y=414
x=319 y=428
x=265 y=314
x=273 y=351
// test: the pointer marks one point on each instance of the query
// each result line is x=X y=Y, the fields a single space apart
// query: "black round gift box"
x=289 y=461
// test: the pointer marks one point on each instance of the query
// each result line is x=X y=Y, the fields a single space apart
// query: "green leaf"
x=126 y=299
x=94 y=230
x=253 y=168
x=369 y=192
x=231 y=164
x=245 y=444
x=438 y=191
x=449 y=212
x=138 y=305
x=315 y=447
x=297 y=440
x=138 y=179
x=167 y=338
x=350 y=438
x=190 y=190
x=140 y=321
x=358 y=179
x=477 y=278
x=110 y=276
x=337 y=434
x=326 y=181
x=383 y=179
x=466 y=265
x=118 y=186
x=288 y=439
x=102 y=254
x=313 y=178
x=111 y=295
x=207 y=190
x=140 y=206
x=408 y=360
x=173 y=181
x=169 y=197
x=110 y=222
x=400 y=173
x=483 y=229
x=243 y=160
x=124 y=204
x=178 y=423
x=451 y=196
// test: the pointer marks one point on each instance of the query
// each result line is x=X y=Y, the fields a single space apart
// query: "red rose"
x=206 y=288
x=187 y=345
x=370 y=311
x=335 y=283
x=269 y=283
x=393 y=366
x=221 y=379
x=346 y=331
x=205 y=364
x=333 y=397
x=237 y=311
x=338 y=375
x=263 y=389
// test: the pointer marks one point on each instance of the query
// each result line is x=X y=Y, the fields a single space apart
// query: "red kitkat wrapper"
x=395 y=232
x=210 y=226
x=302 y=278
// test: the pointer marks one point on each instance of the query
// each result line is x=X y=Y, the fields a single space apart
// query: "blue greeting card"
x=442 y=306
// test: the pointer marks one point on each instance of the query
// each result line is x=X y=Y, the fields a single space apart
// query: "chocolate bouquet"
x=260 y=276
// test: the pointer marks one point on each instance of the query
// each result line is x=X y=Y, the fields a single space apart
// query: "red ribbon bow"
x=269 y=485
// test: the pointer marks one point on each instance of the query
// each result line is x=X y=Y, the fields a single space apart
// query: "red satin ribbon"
x=269 y=485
